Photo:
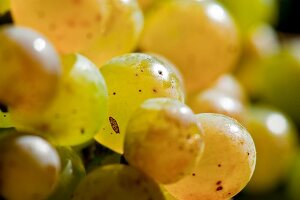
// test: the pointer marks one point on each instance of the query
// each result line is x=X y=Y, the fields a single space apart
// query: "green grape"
x=216 y=101
x=72 y=172
x=229 y=84
x=131 y=79
x=77 y=112
x=293 y=180
x=113 y=182
x=160 y=126
x=126 y=19
x=71 y=25
x=199 y=37
x=5 y=119
x=29 y=168
x=250 y=13
x=30 y=68
x=280 y=83
x=275 y=139
x=4 y=6
x=226 y=166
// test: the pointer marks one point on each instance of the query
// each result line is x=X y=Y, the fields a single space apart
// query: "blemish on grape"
x=114 y=125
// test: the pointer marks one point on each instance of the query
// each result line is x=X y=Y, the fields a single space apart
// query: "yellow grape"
x=131 y=79
x=215 y=101
x=117 y=181
x=121 y=33
x=71 y=25
x=160 y=126
x=197 y=36
x=226 y=166
x=30 y=69
x=77 y=112
x=29 y=168
x=275 y=138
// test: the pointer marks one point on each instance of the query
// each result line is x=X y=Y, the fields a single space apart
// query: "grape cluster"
x=141 y=100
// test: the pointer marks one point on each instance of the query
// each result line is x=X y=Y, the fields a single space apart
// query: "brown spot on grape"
x=229 y=193
x=114 y=125
x=82 y=131
x=219 y=188
x=154 y=90
x=248 y=153
x=193 y=174
x=219 y=183
x=4 y=115
x=160 y=72
x=3 y=108
x=114 y=93
x=136 y=75
x=140 y=90
x=219 y=165
x=71 y=23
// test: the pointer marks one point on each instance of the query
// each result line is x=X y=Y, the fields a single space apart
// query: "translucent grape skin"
x=77 y=112
x=29 y=167
x=70 y=24
x=191 y=34
x=113 y=182
x=126 y=18
x=275 y=137
x=131 y=79
x=160 y=126
x=30 y=68
x=226 y=166
x=72 y=172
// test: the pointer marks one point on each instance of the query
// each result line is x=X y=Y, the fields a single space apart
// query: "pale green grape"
x=77 y=112
x=131 y=79
x=29 y=168
x=72 y=172
x=215 y=101
x=114 y=182
x=226 y=166
x=275 y=138
x=71 y=25
x=160 y=126
x=30 y=69
x=4 y=6
x=199 y=37
x=121 y=33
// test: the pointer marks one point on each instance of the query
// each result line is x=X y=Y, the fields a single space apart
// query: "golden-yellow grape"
x=30 y=69
x=131 y=79
x=160 y=126
x=226 y=166
x=121 y=32
x=71 y=25
x=197 y=36
x=29 y=168
x=78 y=110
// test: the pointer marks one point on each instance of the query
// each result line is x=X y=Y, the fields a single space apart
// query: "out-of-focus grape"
x=5 y=120
x=30 y=69
x=227 y=164
x=131 y=79
x=250 y=13
x=117 y=182
x=160 y=126
x=71 y=25
x=197 y=36
x=72 y=172
x=275 y=139
x=77 y=112
x=293 y=180
x=29 y=168
x=121 y=33
x=216 y=101
x=4 y=6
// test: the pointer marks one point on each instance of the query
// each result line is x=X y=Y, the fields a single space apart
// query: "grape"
x=77 y=112
x=226 y=165
x=131 y=79
x=29 y=168
x=275 y=139
x=4 y=6
x=71 y=25
x=214 y=101
x=117 y=182
x=251 y=13
x=160 y=126
x=30 y=68
x=197 y=36
x=5 y=120
x=71 y=174
x=126 y=19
